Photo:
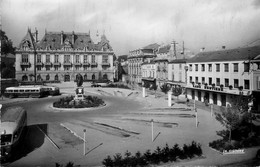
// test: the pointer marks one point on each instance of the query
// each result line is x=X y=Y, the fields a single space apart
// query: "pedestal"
x=169 y=98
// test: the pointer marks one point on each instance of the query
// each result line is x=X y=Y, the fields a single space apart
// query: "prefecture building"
x=215 y=77
x=61 y=56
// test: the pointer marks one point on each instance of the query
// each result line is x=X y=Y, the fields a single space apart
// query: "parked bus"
x=13 y=126
x=25 y=91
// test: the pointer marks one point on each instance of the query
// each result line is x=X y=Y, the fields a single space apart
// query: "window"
x=77 y=58
x=66 y=68
x=235 y=67
x=66 y=58
x=25 y=58
x=226 y=82
x=173 y=77
x=39 y=68
x=39 y=59
x=56 y=78
x=226 y=68
x=210 y=81
x=105 y=59
x=196 y=67
x=210 y=67
x=56 y=58
x=47 y=77
x=202 y=67
x=48 y=60
x=218 y=81
x=217 y=67
x=77 y=68
x=203 y=80
x=190 y=67
x=180 y=66
x=235 y=83
x=85 y=58
x=190 y=79
x=47 y=68
x=56 y=68
x=93 y=58
x=196 y=79
x=180 y=75
x=246 y=84
x=246 y=67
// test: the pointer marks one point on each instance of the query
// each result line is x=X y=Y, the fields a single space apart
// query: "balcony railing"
x=56 y=63
x=48 y=63
x=93 y=64
x=39 y=64
x=67 y=63
x=86 y=64
x=25 y=63
x=77 y=64
x=105 y=64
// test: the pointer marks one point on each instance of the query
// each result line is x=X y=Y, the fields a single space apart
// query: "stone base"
x=79 y=97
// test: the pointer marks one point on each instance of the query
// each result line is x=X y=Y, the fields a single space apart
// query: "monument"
x=79 y=90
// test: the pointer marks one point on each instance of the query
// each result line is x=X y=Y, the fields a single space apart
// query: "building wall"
x=177 y=72
x=61 y=71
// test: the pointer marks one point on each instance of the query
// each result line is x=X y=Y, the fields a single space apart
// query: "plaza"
x=123 y=124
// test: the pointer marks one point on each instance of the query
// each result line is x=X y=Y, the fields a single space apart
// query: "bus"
x=51 y=90
x=13 y=126
x=25 y=91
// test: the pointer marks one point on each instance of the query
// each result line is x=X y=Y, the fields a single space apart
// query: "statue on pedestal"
x=79 y=90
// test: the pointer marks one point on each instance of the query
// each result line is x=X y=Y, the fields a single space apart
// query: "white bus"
x=12 y=130
x=25 y=91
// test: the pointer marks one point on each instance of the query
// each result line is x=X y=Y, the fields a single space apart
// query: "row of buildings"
x=213 y=77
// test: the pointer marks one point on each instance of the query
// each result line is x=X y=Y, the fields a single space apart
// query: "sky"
x=133 y=24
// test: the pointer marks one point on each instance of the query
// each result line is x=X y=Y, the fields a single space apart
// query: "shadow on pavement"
x=33 y=139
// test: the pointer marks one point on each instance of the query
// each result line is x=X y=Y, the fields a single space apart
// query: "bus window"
x=37 y=90
x=21 y=90
x=27 y=90
x=6 y=139
x=15 y=90
x=33 y=90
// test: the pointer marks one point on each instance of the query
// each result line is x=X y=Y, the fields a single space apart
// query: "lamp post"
x=84 y=151
x=152 y=128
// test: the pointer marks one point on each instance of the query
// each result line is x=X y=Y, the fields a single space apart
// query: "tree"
x=79 y=80
x=176 y=91
x=154 y=87
x=165 y=88
x=235 y=114
x=6 y=44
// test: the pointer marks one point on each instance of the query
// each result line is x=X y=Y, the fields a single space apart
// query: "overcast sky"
x=132 y=24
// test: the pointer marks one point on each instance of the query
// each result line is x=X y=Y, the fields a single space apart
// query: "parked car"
x=94 y=84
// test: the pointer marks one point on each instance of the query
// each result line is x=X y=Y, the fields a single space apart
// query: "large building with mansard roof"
x=61 y=56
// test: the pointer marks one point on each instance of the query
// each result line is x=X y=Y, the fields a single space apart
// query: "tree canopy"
x=6 y=44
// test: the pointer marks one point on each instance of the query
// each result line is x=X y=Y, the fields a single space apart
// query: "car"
x=94 y=84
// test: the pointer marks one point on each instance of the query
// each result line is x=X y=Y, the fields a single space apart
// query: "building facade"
x=177 y=72
x=216 y=77
x=61 y=56
x=135 y=60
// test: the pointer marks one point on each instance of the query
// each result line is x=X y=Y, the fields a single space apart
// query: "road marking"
x=55 y=145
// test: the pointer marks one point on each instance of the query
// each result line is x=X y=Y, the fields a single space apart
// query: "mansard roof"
x=59 y=40
x=237 y=54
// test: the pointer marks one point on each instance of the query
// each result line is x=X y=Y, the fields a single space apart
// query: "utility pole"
x=183 y=50
x=35 y=53
x=174 y=48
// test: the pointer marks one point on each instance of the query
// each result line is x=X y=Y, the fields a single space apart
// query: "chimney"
x=73 y=38
x=223 y=47
x=61 y=37
x=202 y=49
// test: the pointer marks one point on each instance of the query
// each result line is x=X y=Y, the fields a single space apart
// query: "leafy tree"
x=6 y=44
x=79 y=80
x=108 y=162
x=235 y=115
x=165 y=88
x=177 y=90
x=154 y=87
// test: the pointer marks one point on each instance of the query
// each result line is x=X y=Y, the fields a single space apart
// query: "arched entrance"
x=93 y=77
x=39 y=78
x=105 y=76
x=24 y=78
x=56 y=78
x=85 y=77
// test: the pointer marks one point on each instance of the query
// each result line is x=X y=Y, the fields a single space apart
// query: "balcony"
x=39 y=64
x=105 y=64
x=56 y=63
x=85 y=63
x=67 y=63
x=77 y=64
x=93 y=64
x=48 y=63
x=25 y=63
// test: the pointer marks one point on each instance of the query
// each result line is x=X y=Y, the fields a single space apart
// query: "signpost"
x=196 y=115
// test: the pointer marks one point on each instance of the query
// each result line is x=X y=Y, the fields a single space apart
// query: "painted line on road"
x=55 y=145
x=71 y=131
